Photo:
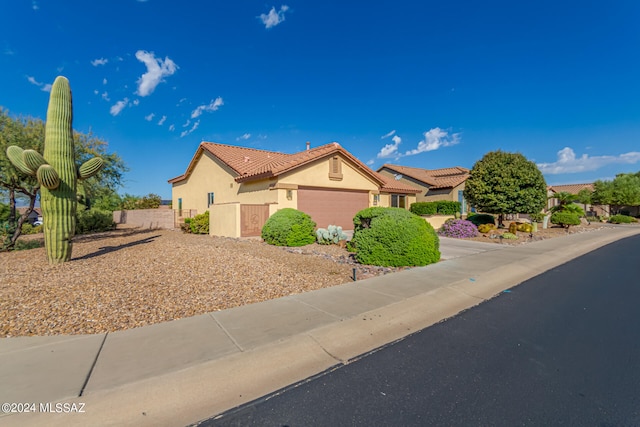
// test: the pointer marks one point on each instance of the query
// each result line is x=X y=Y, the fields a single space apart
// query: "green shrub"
x=439 y=207
x=565 y=219
x=424 y=208
x=199 y=224
x=23 y=245
x=479 y=219
x=94 y=220
x=509 y=236
x=289 y=227
x=622 y=219
x=394 y=237
x=536 y=217
x=31 y=229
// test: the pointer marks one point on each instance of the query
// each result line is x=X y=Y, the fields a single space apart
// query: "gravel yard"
x=129 y=278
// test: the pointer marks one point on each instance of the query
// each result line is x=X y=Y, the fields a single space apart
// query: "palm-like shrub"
x=394 y=237
x=458 y=228
x=289 y=227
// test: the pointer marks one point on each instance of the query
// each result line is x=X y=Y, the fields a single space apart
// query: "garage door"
x=335 y=207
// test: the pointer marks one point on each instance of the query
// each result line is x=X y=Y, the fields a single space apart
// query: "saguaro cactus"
x=57 y=173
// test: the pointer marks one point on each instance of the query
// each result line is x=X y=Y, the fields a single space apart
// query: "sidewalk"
x=179 y=372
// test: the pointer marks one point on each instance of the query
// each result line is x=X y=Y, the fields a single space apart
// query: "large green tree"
x=502 y=183
x=624 y=190
x=29 y=133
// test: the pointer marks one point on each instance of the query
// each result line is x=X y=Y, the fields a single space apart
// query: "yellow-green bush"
x=485 y=228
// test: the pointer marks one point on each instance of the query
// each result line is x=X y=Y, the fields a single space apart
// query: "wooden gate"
x=252 y=218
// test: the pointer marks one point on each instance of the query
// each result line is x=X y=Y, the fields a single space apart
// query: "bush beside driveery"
x=394 y=237
x=289 y=227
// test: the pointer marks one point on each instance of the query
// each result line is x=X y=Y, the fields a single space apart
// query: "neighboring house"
x=435 y=184
x=35 y=215
x=241 y=187
x=590 y=210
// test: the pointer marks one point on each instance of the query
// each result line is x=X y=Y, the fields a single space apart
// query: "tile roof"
x=250 y=163
x=570 y=188
x=434 y=178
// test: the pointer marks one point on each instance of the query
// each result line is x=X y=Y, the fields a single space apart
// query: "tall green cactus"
x=57 y=173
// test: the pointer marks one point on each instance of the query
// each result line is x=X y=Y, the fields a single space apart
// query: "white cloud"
x=118 y=107
x=274 y=17
x=99 y=61
x=104 y=81
x=244 y=137
x=43 y=87
x=213 y=106
x=187 y=132
x=157 y=70
x=149 y=117
x=434 y=139
x=162 y=120
x=172 y=128
x=136 y=102
x=568 y=162
x=187 y=123
x=388 y=134
x=105 y=96
x=370 y=162
x=390 y=150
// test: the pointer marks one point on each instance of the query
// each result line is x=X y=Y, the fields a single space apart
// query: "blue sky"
x=417 y=83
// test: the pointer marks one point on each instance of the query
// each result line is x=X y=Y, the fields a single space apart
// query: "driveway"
x=455 y=248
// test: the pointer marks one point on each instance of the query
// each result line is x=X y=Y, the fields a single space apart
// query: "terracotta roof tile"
x=434 y=178
x=570 y=188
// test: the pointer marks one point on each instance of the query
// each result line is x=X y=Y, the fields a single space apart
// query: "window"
x=376 y=199
x=398 y=201
x=180 y=206
x=335 y=168
x=210 y=199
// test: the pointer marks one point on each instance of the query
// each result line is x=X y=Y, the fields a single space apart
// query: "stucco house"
x=241 y=187
x=435 y=184
x=590 y=210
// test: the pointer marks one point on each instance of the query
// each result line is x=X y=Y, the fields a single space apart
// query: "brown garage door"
x=335 y=207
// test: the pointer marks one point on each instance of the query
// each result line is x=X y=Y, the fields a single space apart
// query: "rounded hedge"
x=622 y=219
x=565 y=219
x=394 y=237
x=289 y=227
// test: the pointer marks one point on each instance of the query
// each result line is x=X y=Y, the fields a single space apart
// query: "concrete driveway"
x=455 y=248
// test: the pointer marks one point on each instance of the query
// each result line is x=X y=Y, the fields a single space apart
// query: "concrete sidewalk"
x=179 y=372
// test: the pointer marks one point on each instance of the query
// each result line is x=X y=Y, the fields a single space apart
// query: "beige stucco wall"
x=436 y=221
x=224 y=220
x=317 y=175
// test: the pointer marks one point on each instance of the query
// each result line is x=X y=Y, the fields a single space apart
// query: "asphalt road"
x=560 y=349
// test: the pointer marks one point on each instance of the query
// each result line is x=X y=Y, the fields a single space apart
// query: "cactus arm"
x=33 y=159
x=90 y=167
x=15 y=155
x=48 y=177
